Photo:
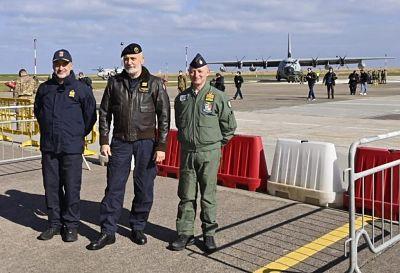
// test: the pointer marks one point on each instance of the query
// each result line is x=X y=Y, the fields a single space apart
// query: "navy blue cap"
x=198 y=61
x=131 y=49
x=62 y=54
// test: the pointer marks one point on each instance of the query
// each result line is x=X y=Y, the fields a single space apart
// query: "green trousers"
x=198 y=170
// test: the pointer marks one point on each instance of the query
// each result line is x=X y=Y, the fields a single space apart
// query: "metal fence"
x=14 y=148
x=19 y=133
x=378 y=217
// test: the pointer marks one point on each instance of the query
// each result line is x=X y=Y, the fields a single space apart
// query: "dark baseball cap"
x=62 y=54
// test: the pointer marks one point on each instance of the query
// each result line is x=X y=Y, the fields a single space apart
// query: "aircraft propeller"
x=342 y=61
x=265 y=62
x=239 y=62
x=314 y=62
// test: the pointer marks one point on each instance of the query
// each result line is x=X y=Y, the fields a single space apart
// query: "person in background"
x=86 y=80
x=238 y=79
x=219 y=82
x=181 y=81
x=329 y=80
x=311 y=77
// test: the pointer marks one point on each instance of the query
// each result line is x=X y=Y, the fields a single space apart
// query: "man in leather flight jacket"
x=138 y=104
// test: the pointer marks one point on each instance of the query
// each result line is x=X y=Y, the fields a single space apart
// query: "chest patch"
x=144 y=87
x=210 y=97
x=72 y=93
x=208 y=107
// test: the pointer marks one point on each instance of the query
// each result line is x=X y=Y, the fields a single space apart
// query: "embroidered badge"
x=72 y=93
x=207 y=107
x=183 y=97
x=144 y=87
x=61 y=54
x=210 y=97
x=136 y=50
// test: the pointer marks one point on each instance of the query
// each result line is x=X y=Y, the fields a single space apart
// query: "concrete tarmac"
x=255 y=229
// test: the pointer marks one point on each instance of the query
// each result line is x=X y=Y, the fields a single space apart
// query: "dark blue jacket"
x=66 y=114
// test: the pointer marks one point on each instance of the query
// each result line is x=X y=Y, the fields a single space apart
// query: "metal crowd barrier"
x=12 y=110
x=17 y=121
x=379 y=232
x=10 y=149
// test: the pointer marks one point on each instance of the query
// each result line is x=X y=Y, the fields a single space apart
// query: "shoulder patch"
x=183 y=97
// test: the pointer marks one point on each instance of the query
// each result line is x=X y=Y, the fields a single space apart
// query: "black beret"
x=62 y=54
x=198 y=61
x=131 y=49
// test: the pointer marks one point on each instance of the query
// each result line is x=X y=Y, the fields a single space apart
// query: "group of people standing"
x=329 y=80
x=363 y=79
x=138 y=105
x=218 y=82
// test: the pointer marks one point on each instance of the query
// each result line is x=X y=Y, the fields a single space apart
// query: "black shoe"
x=103 y=240
x=49 y=233
x=138 y=237
x=70 y=234
x=209 y=244
x=182 y=241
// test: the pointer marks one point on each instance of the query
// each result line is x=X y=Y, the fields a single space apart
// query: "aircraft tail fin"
x=289 y=47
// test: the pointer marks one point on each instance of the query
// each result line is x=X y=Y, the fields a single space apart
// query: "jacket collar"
x=205 y=88
x=144 y=76
x=67 y=81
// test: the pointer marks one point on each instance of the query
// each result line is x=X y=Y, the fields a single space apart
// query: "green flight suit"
x=205 y=122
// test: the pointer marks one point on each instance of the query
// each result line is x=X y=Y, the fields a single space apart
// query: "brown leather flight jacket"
x=134 y=112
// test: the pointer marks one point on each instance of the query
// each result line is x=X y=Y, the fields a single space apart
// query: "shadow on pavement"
x=28 y=210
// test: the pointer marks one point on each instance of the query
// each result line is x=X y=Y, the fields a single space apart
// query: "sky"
x=93 y=31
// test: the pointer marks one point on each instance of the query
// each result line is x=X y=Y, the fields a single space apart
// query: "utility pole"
x=122 y=48
x=186 y=59
x=34 y=53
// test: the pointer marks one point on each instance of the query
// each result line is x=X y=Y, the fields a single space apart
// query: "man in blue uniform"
x=66 y=111
x=139 y=105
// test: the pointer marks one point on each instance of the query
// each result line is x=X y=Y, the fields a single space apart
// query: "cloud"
x=94 y=28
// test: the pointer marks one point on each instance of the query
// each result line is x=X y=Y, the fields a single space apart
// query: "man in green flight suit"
x=205 y=123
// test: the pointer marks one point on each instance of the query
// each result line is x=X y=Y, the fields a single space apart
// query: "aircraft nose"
x=289 y=70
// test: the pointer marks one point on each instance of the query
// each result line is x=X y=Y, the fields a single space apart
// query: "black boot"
x=70 y=234
x=103 y=240
x=182 y=241
x=49 y=233
x=209 y=244
x=138 y=237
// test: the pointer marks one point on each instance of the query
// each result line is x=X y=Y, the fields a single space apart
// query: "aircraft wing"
x=249 y=63
x=337 y=60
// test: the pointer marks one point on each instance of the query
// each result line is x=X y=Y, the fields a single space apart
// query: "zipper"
x=194 y=119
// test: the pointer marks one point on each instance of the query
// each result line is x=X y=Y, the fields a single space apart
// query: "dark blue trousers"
x=311 y=94
x=62 y=178
x=118 y=170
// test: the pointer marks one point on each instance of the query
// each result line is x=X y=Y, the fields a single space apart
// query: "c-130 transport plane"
x=290 y=68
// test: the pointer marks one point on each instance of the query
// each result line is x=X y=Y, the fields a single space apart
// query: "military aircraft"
x=105 y=73
x=290 y=68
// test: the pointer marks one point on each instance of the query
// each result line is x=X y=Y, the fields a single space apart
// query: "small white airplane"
x=106 y=73
x=290 y=68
